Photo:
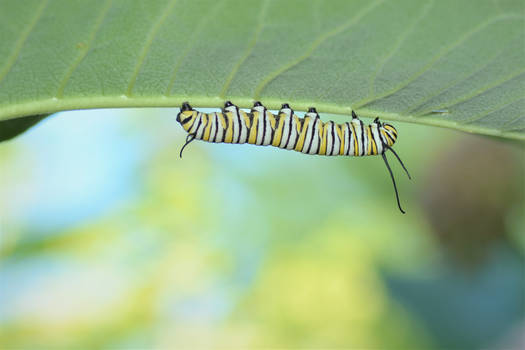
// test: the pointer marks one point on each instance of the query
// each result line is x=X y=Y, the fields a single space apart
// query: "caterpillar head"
x=388 y=136
x=185 y=115
x=387 y=132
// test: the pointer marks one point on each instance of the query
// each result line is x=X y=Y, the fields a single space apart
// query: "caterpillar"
x=309 y=135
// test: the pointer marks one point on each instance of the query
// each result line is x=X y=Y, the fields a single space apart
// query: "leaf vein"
x=510 y=122
x=21 y=41
x=443 y=90
x=321 y=39
x=397 y=46
x=192 y=41
x=149 y=41
x=435 y=59
x=482 y=90
x=80 y=58
x=248 y=52
x=497 y=108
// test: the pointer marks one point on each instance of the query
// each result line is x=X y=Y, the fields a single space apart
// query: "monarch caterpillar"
x=286 y=130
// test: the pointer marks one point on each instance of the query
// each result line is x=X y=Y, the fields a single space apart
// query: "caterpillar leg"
x=189 y=138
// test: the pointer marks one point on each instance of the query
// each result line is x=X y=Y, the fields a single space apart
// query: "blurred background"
x=109 y=239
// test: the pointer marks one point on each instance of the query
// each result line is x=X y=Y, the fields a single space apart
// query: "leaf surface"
x=451 y=63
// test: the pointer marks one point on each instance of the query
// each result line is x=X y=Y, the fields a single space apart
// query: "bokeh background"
x=110 y=240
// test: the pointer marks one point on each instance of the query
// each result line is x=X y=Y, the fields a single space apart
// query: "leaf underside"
x=450 y=63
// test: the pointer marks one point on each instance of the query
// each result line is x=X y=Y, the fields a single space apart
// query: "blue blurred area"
x=76 y=166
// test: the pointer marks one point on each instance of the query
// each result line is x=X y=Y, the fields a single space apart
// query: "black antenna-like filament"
x=189 y=138
x=393 y=181
x=403 y=165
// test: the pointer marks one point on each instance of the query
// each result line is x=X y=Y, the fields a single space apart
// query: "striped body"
x=309 y=135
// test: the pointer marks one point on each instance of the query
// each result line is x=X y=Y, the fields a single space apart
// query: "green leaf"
x=14 y=127
x=452 y=63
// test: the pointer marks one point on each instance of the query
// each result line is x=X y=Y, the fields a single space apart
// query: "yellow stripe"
x=341 y=139
x=222 y=119
x=246 y=118
x=388 y=127
x=356 y=144
x=271 y=118
x=388 y=138
x=253 y=130
x=229 y=131
x=278 y=135
x=209 y=122
x=322 y=132
x=302 y=136
x=372 y=150
x=185 y=115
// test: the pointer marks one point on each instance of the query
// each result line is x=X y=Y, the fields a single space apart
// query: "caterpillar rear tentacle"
x=286 y=130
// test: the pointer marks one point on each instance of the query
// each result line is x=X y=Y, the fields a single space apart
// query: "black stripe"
x=208 y=122
x=373 y=140
x=316 y=151
x=216 y=127
x=276 y=118
x=388 y=136
x=193 y=122
x=240 y=124
x=311 y=138
x=210 y=139
x=247 y=129
x=319 y=137
x=299 y=132
x=349 y=138
x=197 y=128
x=393 y=135
x=289 y=131
x=264 y=126
x=186 y=120
x=346 y=151
x=226 y=128
x=250 y=116
x=333 y=139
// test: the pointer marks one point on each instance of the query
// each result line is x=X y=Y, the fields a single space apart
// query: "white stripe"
x=220 y=130
x=366 y=141
x=260 y=125
x=194 y=126
x=377 y=138
x=293 y=135
x=200 y=130
x=346 y=135
x=236 y=126
x=315 y=141
x=329 y=139
x=358 y=132
x=268 y=135
x=337 y=142
x=286 y=127
x=310 y=133
x=307 y=134
x=244 y=128
x=212 y=129
x=391 y=134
